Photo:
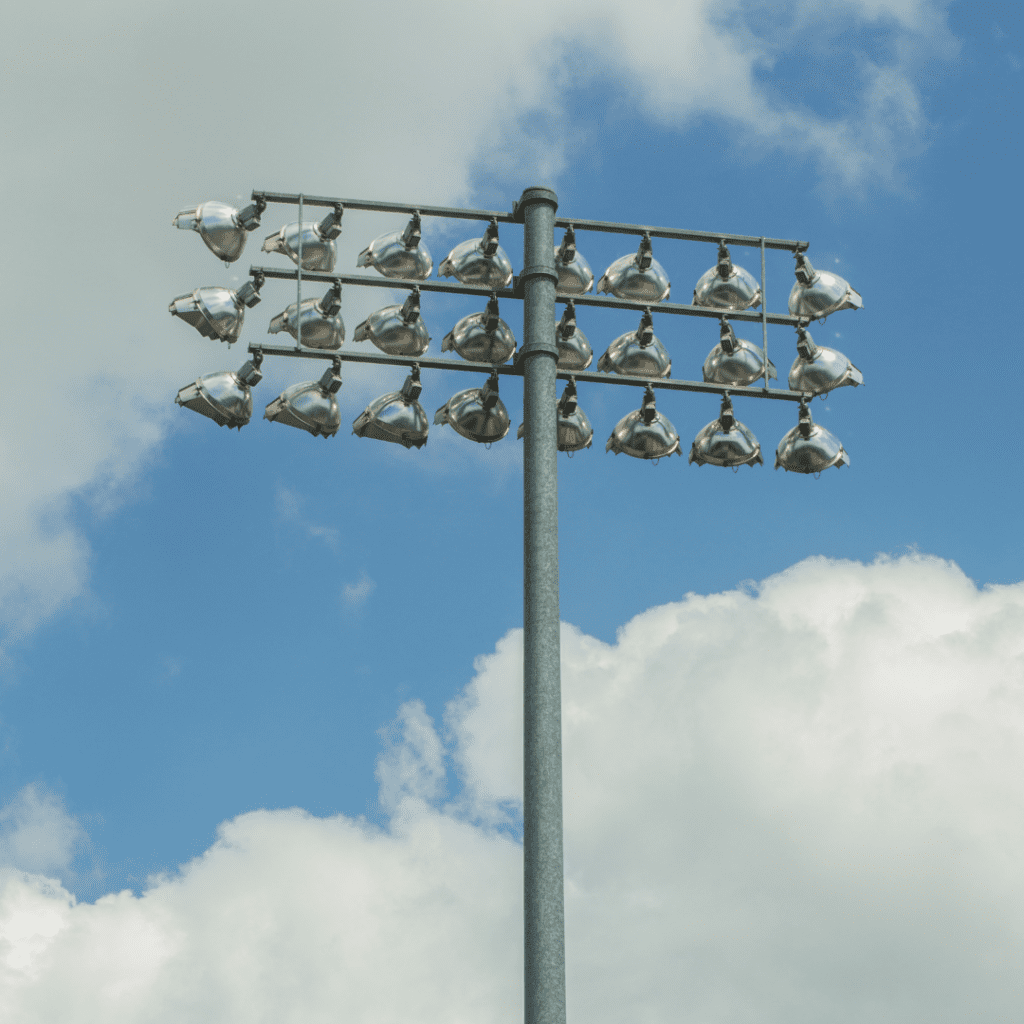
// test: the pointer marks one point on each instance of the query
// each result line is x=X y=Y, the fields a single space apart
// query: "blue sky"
x=201 y=624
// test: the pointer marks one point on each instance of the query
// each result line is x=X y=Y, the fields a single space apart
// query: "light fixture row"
x=400 y=330
x=480 y=415
x=481 y=262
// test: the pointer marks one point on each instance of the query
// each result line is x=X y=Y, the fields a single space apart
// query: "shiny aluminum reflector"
x=727 y=286
x=574 y=274
x=222 y=227
x=482 y=337
x=397 y=330
x=574 y=431
x=224 y=397
x=726 y=442
x=820 y=292
x=644 y=433
x=819 y=369
x=397 y=416
x=322 y=326
x=637 y=353
x=574 y=351
x=399 y=253
x=479 y=261
x=310 y=406
x=477 y=413
x=734 y=361
x=809 y=447
x=217 y=312
x=637 y=277
x=319 y=250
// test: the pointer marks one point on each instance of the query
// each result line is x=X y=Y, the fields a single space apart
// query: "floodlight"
x=482 y=337
x=644 y=433
x=397 y=416
x=809 y=447
x=727 y=286
x=637 y=353
x=221 y=227
x=574 y=431
x=319 y=251
x=818 y=369
x=399 y=253
x=734 y=361
x=224 y=397
x=218 y=312
x=574 y=274
x=819 y=292
x=396 y=330
x=477 y=413
x=479 y=261
x=310 y=406
x=637 y=277
x=322 y=326
x=726 y=441
x=574 y=351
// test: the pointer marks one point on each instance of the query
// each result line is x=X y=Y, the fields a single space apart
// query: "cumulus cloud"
x=795 y=802
x=36 y=832
x=125 y=103
x=356 y=593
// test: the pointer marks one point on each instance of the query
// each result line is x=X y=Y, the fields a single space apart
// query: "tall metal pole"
x=543 y=902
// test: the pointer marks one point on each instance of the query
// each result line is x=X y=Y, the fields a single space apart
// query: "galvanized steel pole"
x=543 y=903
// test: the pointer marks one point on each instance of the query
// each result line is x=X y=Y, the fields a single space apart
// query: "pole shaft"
x=543 y=901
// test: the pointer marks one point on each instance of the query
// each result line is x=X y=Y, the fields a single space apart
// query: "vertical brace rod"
x=543 y=890
x=764 y=321
x=298 y=285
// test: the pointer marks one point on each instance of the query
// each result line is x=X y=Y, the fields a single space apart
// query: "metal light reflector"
x=809 y=447
x=644 y=433
x=726 y=442
x=399 y=253
x=217 y=312
x=574 y=431
x=322 y=326
x=819 y=292
x=637 y=353
x=482 y=337
x=574 y=351
x=319 y=251
x=310 y=406
x=221 y=227
x=727 y=286
x=396 y=330
x=818 y=369
x=479 y=261
x=477 y=413
x=638 y=277
x=397 y=416
x=224 y=397
x=574 y=274
x=734 y=361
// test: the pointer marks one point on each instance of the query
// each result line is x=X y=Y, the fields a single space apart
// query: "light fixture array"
x=485 y=342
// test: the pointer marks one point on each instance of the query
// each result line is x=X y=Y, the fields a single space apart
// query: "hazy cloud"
x=356 y=593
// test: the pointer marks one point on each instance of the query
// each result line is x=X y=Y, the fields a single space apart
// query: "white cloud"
x=792 y=803
x=37 y=833
x=356 y=593
x=116 y=121
x=289 y=505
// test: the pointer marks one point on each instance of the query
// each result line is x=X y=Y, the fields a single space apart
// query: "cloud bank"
x=795 y=802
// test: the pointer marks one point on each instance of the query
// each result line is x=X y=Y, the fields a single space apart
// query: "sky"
x=259 y=692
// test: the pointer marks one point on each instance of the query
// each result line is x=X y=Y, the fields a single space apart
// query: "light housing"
x=224 y=397
x=573 y=430
x=476 y=413
x=819 y=369
x=396 y=330
x=222 y=227
x=479 y=261
x=319 y=251
x=399 y=253
x=809 y=447
x=637 y=277
x=574 y=274
x=637 y=353
x=817 y=293
x=322 y=326
x=482 y=337
x=644 y=433
x=218 y=312
x=727 y=286
x=397 y=417
x=726 y=441
x=574 y=351
x=734 y=361
x=310 y=406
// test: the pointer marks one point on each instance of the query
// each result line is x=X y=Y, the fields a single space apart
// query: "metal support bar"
x=512 y=370
x=679 y=234
x=673 y=308
x=543 y=898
